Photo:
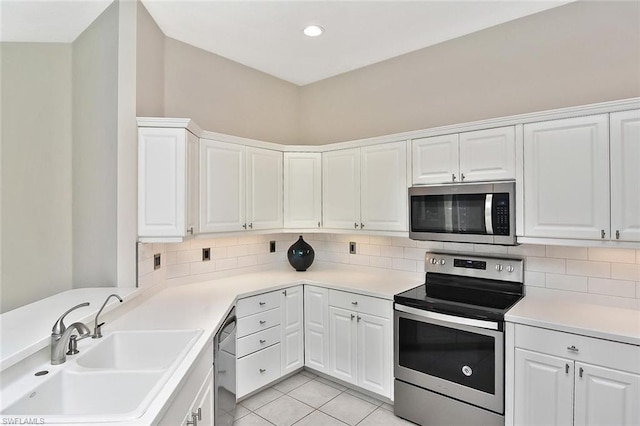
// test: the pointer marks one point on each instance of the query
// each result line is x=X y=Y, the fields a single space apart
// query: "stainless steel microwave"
x=466 y=212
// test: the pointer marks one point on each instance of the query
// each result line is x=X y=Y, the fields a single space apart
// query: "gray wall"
x=36 y=172
x=95 y=137
x=580 y=53
x=227 y=97
x=149 y=66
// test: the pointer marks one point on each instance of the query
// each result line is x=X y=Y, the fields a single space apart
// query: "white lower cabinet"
x=360 y=341
x=316 y=328
x=565 y=379
x=270 y=338
x=201 y=412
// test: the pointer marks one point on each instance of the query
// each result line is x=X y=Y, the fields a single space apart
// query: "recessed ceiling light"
x=313 y=31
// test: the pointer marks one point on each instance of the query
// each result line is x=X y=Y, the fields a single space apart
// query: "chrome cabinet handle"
x=461 y=176
x=573 y=349
x=566 y=368
x=263 y=341
x=352 y=317
x=453 y=177
x=361 y=225
x=581 y=371
x=284 y=292
x=244 y=225
x=355 y=225
x=263 y=322
x=318 y=224
x=251 y=225
x=617 y=234
x=262 y=303
x=190 y=230
x=602 y=233
x=359 y=318
x=262 y=370
x=354 y=303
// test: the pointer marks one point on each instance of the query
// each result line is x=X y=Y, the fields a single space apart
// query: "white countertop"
x=552 y=311
x=201 y=305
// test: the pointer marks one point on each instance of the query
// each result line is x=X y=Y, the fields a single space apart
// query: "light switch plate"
x=352 y=247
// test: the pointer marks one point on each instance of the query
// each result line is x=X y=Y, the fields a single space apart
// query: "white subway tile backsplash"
x=576 y=253
x=381 y=262
x=463 y=247
x=178 y=270
x=368 y=249
x=170 y=258
x=218 y=252
x=527 y=250
x=405 y=265
x=189 y=256
x=145 y=251
x=589 y=269
x=391 y=251
x=203 y=267
x=610 y=287
x=612 y=255
x=178 y=246
x=358 y=259
x=490 y=249
x=403 y=242
x=236 y=251
x=543 y=264
x=638 y=290
x=567 y=282
x=228 y=263
x=245 y=261
x=145 y=267
x=414 y=254
x=380 y=241
x=624 y=271
x=536 y=279
x=430 y=245
x=198 y=243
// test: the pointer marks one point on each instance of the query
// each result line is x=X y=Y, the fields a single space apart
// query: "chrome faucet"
x=60 y=335
x=97 y=328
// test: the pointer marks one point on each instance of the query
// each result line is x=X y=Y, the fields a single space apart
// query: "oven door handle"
x=490 y=325
x=488 y=213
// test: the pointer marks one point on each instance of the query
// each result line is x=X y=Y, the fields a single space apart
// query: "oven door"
x=453 y=356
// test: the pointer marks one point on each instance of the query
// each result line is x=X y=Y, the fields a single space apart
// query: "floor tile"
x=367 y=398
x=314 y=393
x=330 y=383
x=318 y=418
x=284 y=411
x=260 y=399
x=252 y=419
x=383 y=417
x=348 y=408
x=241 y=411
x=291 y=383
x=387 y=407
x=309 y=374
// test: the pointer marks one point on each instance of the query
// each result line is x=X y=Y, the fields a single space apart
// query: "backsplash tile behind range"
x=601 y=275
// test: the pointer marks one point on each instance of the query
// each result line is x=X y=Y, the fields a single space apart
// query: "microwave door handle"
x=488 y=213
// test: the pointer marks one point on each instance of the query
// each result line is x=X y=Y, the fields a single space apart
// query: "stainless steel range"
x=449 y=340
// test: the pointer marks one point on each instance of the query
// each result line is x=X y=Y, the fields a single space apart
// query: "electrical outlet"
x=352 y=247
x=272 y=246
x=156 y=261
x=206 y=254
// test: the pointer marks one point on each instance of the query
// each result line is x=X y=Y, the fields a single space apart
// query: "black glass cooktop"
x=477 y=298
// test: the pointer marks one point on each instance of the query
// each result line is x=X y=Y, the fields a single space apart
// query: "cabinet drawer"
x=258 y=369
x=621 y=356
x=259 y=303
x=258 y=322
x=358 y=302
x=256 y=341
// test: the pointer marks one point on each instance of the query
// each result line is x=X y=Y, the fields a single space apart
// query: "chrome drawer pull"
x=262 y=303
x=354 y=303
x=263 y=322
x=566 y=368
x=263 y=341
x=573 y=349
x=262 y=370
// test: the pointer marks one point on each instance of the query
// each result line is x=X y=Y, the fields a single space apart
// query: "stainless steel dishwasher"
x=224 y=365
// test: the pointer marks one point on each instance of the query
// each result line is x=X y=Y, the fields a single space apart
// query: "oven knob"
x=433 y=260
x=498 y=267
x=509 y=268
x=442 y=262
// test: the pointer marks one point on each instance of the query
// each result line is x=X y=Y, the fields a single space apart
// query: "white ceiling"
x=267 y=35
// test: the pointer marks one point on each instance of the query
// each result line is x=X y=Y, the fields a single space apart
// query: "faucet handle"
x=59 y=327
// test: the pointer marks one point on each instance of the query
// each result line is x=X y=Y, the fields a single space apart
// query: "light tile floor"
x=308 y=400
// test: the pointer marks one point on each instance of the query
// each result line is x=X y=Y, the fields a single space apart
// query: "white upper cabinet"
x=625 y=176
x=167 y=183
x=365 y=188
x=302 y=189
x=341 y=188
x=222 y=186
x=383 y=189
x=240 y=187
x=480 y=155
x=566 y=178
x=264 y=188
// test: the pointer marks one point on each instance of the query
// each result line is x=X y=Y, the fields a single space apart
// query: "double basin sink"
x=114 y=380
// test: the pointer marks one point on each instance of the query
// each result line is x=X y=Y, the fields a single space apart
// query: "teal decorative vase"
x=300 y=255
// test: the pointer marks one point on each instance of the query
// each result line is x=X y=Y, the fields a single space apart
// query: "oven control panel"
x=497 y=268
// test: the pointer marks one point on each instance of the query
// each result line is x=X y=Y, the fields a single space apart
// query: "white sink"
x=138 y=350
x=114 y=380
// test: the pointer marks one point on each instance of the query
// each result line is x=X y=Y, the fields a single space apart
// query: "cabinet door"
x=374 y=354
x=203 y=406
x=435 y=159
x=606 y=397
x=316 y=328
x=543 y=390
x=193 y=183
x=341 y=189
x=384 y=187
x=488 y=154
x=302 y=189
x=292 y=341
x=343 y=345
x=264 y=189
x=566 y=178
x=222 y=186
x=625 y=175
x=161 y=182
